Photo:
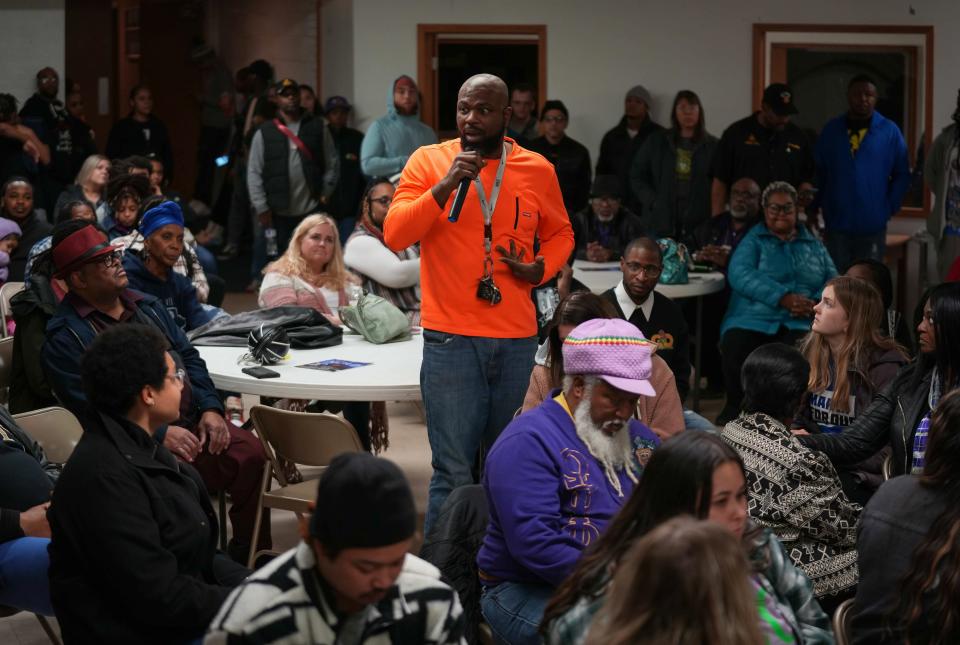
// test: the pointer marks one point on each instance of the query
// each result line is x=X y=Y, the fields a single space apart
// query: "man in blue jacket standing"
x=862 y=173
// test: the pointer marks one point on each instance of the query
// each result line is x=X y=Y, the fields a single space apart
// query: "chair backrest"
x=309 y=438
x=55 y=429
x=7 y=291
x=841 y=621
x=6 y=368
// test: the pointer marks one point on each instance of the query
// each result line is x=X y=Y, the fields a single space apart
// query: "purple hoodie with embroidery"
x=549 y=497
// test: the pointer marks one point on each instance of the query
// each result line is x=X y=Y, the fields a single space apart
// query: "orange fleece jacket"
x=451 y=258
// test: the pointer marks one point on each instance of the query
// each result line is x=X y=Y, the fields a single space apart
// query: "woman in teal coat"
x=776 y=276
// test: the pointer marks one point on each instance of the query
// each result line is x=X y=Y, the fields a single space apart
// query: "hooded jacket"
x=617 y=152
x=392 y=138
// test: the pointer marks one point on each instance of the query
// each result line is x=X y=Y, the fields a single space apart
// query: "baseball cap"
x=779 y=97
x=613 y=350
x=606 y=186
x=287 y=84
x=336 y=103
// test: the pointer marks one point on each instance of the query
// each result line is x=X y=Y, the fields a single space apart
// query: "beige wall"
x=596 y=50
x=32 y=38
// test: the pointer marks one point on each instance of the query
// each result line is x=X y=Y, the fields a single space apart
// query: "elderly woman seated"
x=794 y=491
x=776 y=274
x=133 y=551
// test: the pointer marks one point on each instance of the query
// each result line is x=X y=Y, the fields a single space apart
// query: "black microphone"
x=461 y=194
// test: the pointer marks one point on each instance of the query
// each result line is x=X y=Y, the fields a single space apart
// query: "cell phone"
x=260 y=372
x=222 y=160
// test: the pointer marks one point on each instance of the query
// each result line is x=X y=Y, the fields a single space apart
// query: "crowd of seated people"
x=603 y=493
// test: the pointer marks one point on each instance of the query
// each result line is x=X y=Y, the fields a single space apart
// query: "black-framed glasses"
x=554 y=119
x=650 y=270
x=786 y=209
x=383 y=201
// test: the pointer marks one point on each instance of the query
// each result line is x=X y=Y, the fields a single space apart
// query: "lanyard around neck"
x=485 y=206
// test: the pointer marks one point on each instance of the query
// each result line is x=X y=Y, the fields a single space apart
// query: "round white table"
x=392 y=375
x=602 y=276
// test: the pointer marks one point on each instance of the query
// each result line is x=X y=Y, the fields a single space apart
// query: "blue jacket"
x=859 y=193
x=176 y=293
x=391 y=140
x=69 y=335
x=764 y=268
x=549 y=497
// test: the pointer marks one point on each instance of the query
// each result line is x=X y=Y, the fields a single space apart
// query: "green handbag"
x=376 y=319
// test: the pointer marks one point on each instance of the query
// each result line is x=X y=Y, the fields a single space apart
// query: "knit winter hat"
x=640 y=92
x=9 y=227
x=611 y=349
x=363 y=502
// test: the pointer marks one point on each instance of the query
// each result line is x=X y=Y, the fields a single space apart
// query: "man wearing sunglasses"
x=228 y=458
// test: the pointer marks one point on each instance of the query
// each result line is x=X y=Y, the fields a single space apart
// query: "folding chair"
x=305 y=438
x=55 y=429
x=7 y=291
x=6 y=368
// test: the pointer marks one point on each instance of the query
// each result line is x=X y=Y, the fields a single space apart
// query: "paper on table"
x=333 y=365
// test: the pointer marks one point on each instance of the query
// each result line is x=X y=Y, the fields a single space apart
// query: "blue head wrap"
x=159 y=216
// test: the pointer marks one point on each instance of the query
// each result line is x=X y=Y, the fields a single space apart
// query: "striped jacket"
x=283 y=604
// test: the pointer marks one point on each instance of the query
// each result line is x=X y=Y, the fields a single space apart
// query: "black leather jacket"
x=15 y=439
x=891 y=419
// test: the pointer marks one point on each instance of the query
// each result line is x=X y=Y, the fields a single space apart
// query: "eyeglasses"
x=383 y=201
x=744 y=193
x=650 y=270
x=47 y=79
x=554 y=119
x=177 y=376
x=610 y=199
x=109 y=260
x=786 y=209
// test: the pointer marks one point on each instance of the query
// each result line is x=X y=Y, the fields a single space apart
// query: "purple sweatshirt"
x=549 y=497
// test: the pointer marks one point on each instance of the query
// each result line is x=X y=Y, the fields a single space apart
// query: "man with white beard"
x=558 y=473
x=604 y=227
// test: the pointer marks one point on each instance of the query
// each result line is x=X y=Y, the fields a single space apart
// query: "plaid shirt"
x=923 y=429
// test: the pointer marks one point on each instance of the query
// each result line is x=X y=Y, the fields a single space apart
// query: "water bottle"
x=270 y=238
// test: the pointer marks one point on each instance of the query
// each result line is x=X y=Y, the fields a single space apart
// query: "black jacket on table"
x=891 y=419
x=133 y=541
x=617 y=152
x=667 y=327
x=572 y=162
x=26 y=476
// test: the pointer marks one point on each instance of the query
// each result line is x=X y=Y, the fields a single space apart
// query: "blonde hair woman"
x=685 y=582
x=91 y=185
x=311 y=272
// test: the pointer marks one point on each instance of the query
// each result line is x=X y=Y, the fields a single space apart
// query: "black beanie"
x=363 y=502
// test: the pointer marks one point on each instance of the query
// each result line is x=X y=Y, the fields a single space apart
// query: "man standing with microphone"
x=476 y=273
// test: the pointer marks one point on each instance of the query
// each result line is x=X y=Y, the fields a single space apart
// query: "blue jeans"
x=693 y=421
x=471 y=388
x=845 y=248
x=207 y=260
x=23 y=575
x=514 y=611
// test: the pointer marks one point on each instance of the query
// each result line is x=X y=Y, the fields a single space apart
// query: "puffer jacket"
x=765 y=268
x=891 y=419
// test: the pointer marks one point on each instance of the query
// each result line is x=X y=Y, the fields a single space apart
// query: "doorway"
x=449 y=54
